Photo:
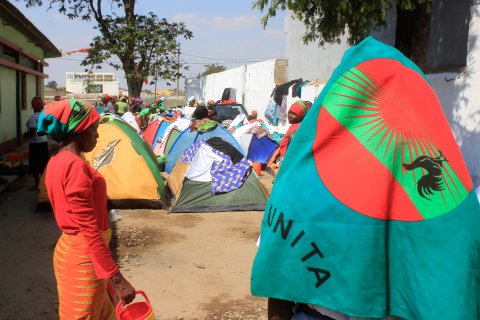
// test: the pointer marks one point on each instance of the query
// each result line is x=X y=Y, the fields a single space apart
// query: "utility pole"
x=178 y=72
x=155 y=92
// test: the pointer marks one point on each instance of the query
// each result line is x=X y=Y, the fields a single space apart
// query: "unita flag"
x=373 y=212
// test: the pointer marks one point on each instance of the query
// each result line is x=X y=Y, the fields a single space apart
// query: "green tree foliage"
x=145 y=45
x=212 y=68
x=52 y=84
x=327 y=20
x=88 y=86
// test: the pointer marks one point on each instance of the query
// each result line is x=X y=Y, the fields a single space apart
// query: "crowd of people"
x=143 y=113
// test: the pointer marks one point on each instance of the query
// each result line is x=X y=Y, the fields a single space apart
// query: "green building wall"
x=13 y=117
x=8 y=102
x=12 y=35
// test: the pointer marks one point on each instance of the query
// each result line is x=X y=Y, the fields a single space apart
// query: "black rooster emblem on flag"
x=433 y=180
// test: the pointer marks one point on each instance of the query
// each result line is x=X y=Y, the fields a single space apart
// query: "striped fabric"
x=81 y=294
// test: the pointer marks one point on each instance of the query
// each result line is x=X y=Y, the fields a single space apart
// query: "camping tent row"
x=134 y=181
x=251 y=137
x=161 y=134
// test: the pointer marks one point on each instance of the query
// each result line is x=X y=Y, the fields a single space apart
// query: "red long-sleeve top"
x=286 y=139
x=78 y=194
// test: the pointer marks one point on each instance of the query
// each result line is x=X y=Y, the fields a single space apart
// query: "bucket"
x=257 y=167
x=135 y=311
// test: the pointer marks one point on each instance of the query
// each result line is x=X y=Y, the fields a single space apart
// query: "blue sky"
x=224 y=32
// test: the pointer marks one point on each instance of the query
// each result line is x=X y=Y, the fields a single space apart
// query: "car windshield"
x=228 y=111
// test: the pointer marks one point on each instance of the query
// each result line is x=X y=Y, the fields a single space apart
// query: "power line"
x=184 y=62
x=209 y=58
x=222 y=59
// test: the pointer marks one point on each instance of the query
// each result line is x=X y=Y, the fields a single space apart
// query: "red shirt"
x=286 y=139
x=78 y=194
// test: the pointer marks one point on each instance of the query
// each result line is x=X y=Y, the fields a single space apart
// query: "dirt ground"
x=191 y=266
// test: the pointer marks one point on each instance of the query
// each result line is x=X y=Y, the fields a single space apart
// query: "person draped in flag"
x=386 y=222
x=83 y=262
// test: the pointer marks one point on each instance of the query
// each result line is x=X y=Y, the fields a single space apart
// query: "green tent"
x=195 y=194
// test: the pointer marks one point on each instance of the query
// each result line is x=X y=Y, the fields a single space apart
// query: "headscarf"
x=61 y=118
x=105 y=97
x=37 y=104
x=300 y=108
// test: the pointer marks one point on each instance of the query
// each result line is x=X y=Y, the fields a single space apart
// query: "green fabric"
x=171 y=140
x=122 y=107
x=145 y=112
x=315 y=248
x=206 y=126
x=196 y=196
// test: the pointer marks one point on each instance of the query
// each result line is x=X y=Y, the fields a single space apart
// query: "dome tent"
x=256 y=141
x=187 y=138
x=122 y=156
x=155 y=132
x=192 y=182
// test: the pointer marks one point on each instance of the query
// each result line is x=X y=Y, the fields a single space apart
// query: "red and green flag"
x=373 y=212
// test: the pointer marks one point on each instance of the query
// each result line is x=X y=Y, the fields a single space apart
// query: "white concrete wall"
x=254 y=83
x=459 y=94
x=215 y=84
x=310 y=61
x=313 y=61
x=260 y=80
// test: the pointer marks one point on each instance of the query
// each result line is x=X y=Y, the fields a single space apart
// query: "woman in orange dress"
x=83 y=262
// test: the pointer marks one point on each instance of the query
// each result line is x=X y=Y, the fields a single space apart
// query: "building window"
x=93 y=88
x=10 y=54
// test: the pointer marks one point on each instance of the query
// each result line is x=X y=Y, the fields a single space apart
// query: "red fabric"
x=60 y=110
x=78 y=195
x=90 y=119
x=227 y=102
x=300 y=108
x=286 y=139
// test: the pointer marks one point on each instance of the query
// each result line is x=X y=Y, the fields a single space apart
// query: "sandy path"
x=192 y=266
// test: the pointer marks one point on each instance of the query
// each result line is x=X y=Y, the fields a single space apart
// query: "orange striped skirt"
x=81 y=295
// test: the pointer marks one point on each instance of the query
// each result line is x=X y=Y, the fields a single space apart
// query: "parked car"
x=229 y=110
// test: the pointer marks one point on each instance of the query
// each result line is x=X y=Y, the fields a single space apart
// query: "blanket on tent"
x=227 y=176
x=226 y=173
